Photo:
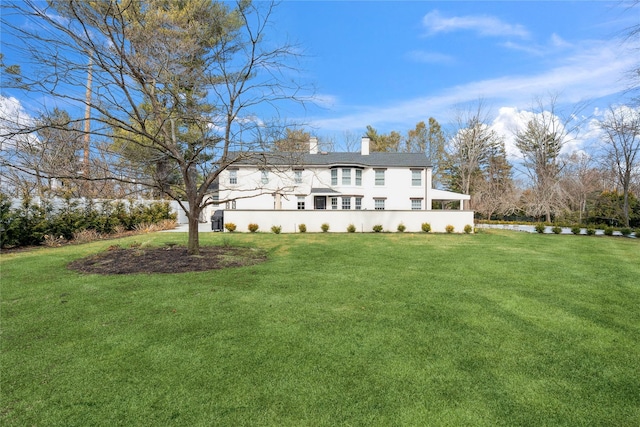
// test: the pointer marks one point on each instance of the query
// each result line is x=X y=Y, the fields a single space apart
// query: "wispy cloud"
x=484 y=25
x=592 y=70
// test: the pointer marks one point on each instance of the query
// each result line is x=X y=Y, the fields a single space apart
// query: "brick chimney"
x=365 y=146
x=313 y=145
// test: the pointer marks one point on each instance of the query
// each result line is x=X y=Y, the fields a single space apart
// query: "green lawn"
x=498 y=328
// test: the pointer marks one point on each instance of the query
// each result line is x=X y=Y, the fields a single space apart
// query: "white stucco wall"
x=251 y=193
x=339 y=220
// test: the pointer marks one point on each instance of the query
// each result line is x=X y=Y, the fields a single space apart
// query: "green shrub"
x=540 y=228
x=426 y=227
x=575 y=229
x=401 y=228
x=253 y=227
x=449 y=228
x=591 y=231
x=351 y=228
x=556 y=230
x=468 y=229
x=377 y=228
x=324 y=227
x=276 y=229
x=625 y=231
x=302 y=228
x=231 y=227
x=608 y=231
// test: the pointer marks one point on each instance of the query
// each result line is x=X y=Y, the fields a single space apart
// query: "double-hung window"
x=416 y=204
x=378 y=204
x=346 y=203
x=334 y=203
x=297 y=176
x=416 y=177
x=379 y=176
x=334 y=176
x=358 y=176
x=233 y=176
x=346 y=176
x=264 y=176
x=358 y=203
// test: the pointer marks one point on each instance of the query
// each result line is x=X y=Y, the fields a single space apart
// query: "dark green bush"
x=556 y=229
x=351 y=228
x=591 y=231
x=575 y=229
x=468 y=229
x=540 y=228
x=377 y=228
x=401 y=228
x=625 y=231
x=276 y=229
x=302 y=228
x=324 y=227
x=608 y=231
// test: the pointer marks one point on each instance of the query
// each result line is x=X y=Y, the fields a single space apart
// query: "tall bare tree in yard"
x=540 y=144
x=621 y=136
x=469 y=149
x=184 y=81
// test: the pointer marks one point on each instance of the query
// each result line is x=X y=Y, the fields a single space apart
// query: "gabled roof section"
x=375 y=159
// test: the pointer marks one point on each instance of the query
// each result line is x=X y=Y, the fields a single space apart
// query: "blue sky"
x=393 y=64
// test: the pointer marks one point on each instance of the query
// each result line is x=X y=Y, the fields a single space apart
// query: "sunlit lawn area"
x=498 y=328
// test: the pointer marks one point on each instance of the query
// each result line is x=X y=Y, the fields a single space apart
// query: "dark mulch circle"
x=169 y=259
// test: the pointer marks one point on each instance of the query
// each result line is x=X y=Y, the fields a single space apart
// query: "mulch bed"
x=169 y=259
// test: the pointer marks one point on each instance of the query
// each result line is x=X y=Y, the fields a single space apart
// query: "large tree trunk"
x=193 y=246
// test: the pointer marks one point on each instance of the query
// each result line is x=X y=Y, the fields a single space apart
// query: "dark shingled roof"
x=375 y=159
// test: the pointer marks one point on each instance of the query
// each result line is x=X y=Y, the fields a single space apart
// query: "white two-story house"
x=338 y=188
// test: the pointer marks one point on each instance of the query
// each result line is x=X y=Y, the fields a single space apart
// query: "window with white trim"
x=358 y=203
x=233 y=176
x=416 y=177
x=346 y=176
x=379 y=176
x=358 y=176
x=334 y=203
x=300 y=202
x=346 y=203
x=416 y=204
x=378 y=204
x=334 y=176
x=264 y=176
x=297 y=176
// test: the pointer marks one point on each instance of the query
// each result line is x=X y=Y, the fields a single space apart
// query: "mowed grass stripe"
x=498 y=328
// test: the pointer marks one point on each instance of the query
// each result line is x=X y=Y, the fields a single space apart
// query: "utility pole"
x=87 y=126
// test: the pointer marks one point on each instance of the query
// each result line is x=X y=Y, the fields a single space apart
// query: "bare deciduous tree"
x=193 y=84
x=621 y=135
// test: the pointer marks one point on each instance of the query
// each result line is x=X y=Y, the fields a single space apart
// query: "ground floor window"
x=300 y=202
x=334 y=203
x=358 y=203
x=416 y=204
x=346 y=203
x=378 y=204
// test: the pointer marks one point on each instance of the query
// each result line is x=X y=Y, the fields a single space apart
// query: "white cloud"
x=484 y=25
x=592 y=70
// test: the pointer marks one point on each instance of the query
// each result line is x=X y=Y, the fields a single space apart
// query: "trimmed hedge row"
x=31 y=223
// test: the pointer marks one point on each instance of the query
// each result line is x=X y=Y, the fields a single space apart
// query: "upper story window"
x=334 y=176
x=379 y=176
x=416 y=177
x=358 y=176
x=416 y=204
x=346 y=176
x=265 y=176
x=358 y=203
x=233 y=176
x=346 y=203
x=297 y=176
x=378 y=204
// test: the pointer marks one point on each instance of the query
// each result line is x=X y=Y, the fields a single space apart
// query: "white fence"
x=339 y=220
